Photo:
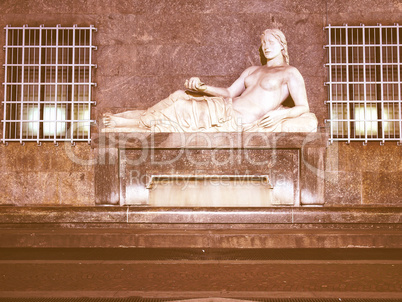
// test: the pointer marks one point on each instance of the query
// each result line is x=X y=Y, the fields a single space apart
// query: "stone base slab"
x=174 y=238
x=141 y=227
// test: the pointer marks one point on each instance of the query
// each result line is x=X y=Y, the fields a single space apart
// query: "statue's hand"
x=272 y=118
x=195 y=84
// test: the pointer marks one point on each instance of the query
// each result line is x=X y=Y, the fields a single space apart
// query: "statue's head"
x=278 y=35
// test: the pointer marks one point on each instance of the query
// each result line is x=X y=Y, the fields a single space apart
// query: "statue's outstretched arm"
x=236 y=89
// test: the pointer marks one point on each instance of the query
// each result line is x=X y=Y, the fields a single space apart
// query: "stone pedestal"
x=293 y=163
x=209 y=191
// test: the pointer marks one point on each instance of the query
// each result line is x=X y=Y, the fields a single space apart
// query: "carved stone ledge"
x=260 y=140
x=110 y=217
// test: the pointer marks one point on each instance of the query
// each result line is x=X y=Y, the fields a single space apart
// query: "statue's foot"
x=112 y=121
x=107 y=120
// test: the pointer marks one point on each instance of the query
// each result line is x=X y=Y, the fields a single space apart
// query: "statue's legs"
x=169 y=101
x=132 y=118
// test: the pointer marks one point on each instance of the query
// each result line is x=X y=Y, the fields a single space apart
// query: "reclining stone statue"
x=253 y=103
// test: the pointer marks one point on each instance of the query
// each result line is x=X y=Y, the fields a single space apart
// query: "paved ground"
x=167 y=273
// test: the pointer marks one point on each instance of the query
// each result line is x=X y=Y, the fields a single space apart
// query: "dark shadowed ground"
x=259 y=274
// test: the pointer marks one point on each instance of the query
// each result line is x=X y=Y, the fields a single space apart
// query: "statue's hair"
x=279 y=35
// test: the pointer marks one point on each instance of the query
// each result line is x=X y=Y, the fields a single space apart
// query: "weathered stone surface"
x=343 y=188
x=59 y=215
x=10 y=6
x=47 y=188
x=358 y=6
x=147 y=50
x=368 y=174
x=137 y=167
x=99 y=7
x=106 y=182
x=116 y=60
x=365 y=17
x=364 y=217
x=370 y=158
x=17 y=19
x=47 y=174
x=46 y=158
x=188 y=59
x=312 y=166
x=354 y=215
x=117 y=29
x=232 y=140
x=382 y=188
x=194 y=227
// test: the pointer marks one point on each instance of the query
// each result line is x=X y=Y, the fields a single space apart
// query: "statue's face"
x=271 y=46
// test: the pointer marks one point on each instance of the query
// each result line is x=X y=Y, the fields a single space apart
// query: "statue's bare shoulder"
x=292 y=73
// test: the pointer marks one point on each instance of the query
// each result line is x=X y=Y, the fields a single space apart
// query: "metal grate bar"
x=398 y=56
x=364 y=83
x=48 y=83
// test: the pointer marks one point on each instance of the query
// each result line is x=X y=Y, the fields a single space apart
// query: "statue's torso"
x=266 y=89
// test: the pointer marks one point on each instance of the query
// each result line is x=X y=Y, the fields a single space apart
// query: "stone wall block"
x=47 y=188
x=49 y=7
x=302 y=30
x=343 y=188
x=28 y=157
x=372 y=157
x=107 y=186
x=262 y=6
x=308 y=65
x=117 y=29
x=116 y=60
x=332 y=157
x=175 y=6
x=173 y=28
x=365 y=17
x=76 y=188
x=10 y=191
x=11 y=6
x=37 y=175
x=228 y=31
x=382 y=188
x=37 y=188
x=358 y=6
x=312 y=176
x=173 y=60
x=99 y=7
x=67 y=19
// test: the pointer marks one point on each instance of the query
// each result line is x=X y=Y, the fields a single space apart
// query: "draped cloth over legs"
x=182 y=112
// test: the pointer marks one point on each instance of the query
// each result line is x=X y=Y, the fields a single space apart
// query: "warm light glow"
x=82 y=128
x=339 y=112
x=52 y=113
x=31 y=128
x=391 y=127
x=370 y=116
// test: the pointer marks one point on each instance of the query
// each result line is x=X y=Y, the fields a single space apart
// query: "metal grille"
x=47 y=83
x=364 y=83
